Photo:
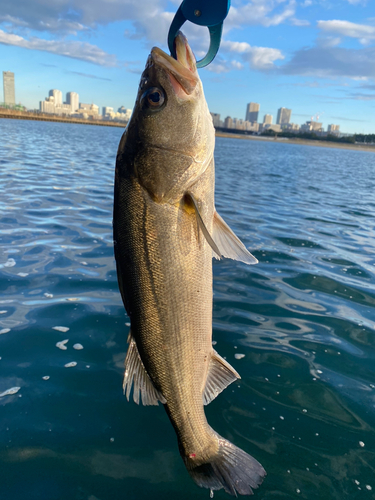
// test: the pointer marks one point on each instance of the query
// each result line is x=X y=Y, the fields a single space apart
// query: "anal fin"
x=220 y=375
x=135 y=373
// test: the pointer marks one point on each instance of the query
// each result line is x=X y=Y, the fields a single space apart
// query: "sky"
x=316 y=57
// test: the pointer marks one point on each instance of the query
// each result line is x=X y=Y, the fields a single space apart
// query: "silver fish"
x=166 y=230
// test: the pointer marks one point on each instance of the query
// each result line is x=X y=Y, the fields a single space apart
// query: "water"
x=299 y=326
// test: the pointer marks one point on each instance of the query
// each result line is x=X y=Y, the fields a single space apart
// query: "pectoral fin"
x=201 y=225
x=136 y=373
x=220 y=375
x=224 y=242
x=229 y=244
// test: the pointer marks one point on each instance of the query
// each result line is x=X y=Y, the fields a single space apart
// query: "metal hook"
x=210 y=13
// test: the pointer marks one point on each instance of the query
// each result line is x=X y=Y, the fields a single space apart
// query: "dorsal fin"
x=220 y=375
x=136 y=373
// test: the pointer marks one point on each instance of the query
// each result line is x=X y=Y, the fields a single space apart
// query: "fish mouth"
x=181 y=71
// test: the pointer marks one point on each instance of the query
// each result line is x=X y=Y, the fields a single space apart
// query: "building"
x=252 y=112
x=316 y=126
x=106 y=111
x=267 y=120
x=312 y=126
x=88 y=110
x=47 y=106
x=9 y=89
x=124 y=113
x=269 y=126
x=53 y=104
x=290 y=127
x=63 y=109
x=283 y=116
x=57 y=95
x=216 y=120
x=228 y=122
x=251 y=126
x=72 y=98
x=333 y=129
x=238 y=124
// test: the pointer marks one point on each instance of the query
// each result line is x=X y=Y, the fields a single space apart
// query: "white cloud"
x=260 y=58
x=329 y=41
x=299 y=22
x=150 y=22
x=363 y=32
x=219 y=65
x=153 y=26
x=70 y=16
x=264 y=12
x=148 y=16
x=77 y=50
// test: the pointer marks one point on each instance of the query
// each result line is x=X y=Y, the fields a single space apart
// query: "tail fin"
x=231 y=468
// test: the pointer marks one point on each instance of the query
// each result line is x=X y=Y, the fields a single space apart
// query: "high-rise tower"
x=283 y=116
x=57 y=95
x=252 y=111
x=72 y=98
x=9 y=90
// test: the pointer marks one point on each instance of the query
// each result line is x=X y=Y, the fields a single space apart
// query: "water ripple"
x=299 y=326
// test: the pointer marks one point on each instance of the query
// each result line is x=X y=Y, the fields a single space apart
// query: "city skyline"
x=53 y=104
x=311 y=56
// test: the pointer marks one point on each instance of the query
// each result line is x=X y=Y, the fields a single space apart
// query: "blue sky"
x=316 y=57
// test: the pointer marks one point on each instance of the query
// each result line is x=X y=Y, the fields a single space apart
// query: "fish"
x=166 y=231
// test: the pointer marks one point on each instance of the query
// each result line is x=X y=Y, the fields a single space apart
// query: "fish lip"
x=183 y=69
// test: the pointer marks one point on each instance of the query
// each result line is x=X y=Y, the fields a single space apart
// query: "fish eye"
x=153 y=98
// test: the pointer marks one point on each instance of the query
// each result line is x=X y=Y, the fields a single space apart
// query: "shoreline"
x=43 y=117
x=301 y=142
x=22 y=115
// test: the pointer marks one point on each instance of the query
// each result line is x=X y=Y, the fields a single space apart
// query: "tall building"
x=9 y=90
x=72 y=98
x=267 y=120
x=283 y=116
x=57 y=96
x=252 y=111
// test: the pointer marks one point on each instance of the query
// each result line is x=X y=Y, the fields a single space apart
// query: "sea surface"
x=299 y=326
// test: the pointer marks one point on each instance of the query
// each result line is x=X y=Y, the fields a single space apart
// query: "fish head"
x=171 y=124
